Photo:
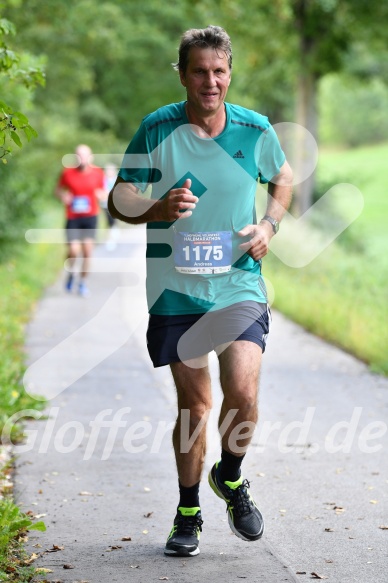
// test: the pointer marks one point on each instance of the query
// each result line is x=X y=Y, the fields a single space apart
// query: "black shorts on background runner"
x=81 y=228
x=179 y=338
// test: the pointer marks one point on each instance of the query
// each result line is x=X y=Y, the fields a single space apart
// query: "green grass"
x=367 y=169
x=342 y=295
x=23 y=280
x=14 y=562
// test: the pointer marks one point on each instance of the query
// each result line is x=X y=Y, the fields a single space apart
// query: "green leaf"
x=20 y=116
x=17 y=525
x=6 y=27
x=16 y=139
x=6 y=108
x=29 y=132
x=16 y=123
x=38 y=526
x=34 y=133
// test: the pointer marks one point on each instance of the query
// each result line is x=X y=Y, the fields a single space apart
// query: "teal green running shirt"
x=194 y=264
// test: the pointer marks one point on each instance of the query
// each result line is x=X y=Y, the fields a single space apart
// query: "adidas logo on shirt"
x=239 y=154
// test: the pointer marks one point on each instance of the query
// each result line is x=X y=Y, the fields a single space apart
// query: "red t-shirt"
x=82 y=185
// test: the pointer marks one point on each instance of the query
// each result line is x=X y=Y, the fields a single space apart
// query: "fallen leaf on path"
x=40 y=515
x=148 y=514
x=135 y=566
x=42 y=570
x=68 y=566
x=85 y=493
x=317 y=576
x=329 y=529
x=54 y=549
x=126 y=538
x=339 y=509
x=301 y=573
x=374 y=501
x=31 y=559
x=384 y=527
x=113 y=548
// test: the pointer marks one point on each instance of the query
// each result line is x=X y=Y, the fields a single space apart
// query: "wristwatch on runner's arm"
x=274 y=223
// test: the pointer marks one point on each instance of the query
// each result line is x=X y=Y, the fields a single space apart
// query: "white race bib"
x=81 y=204
x=203 y=253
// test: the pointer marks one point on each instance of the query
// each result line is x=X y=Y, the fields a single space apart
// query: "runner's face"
x=206 y=79
x=84 y=154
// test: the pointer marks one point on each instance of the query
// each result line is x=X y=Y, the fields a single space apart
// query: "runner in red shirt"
x=80 y=190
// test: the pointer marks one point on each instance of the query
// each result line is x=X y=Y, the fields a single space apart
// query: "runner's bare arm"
x=63 y=194
x=279 y=199
x=126 y=204
x=279 y=193
x=101 y=194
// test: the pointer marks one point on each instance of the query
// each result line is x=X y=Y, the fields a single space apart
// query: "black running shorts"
x=81 y=228
x=179 y=338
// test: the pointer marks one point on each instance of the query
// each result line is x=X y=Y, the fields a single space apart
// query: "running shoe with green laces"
x=184 y=536
x=244 y=517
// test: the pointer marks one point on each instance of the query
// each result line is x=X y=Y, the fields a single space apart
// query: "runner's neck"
x=206 y=127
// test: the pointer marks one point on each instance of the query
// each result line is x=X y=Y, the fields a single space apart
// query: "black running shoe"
x=244 y=517
x=184 y=536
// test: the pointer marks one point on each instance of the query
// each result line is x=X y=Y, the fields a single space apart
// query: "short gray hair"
x=213 y=37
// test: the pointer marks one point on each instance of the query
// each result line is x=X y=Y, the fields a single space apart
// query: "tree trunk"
x=306 y=110
x=306 y=117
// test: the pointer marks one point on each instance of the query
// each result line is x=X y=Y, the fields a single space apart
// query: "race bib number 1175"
x=203 y=253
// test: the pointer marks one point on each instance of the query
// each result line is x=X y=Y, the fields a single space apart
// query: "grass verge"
x=23 y=280
x=341 y=295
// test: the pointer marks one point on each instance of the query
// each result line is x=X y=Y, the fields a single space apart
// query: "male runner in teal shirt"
x=203 y=158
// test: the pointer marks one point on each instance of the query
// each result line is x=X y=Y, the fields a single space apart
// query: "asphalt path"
x=98 y=467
